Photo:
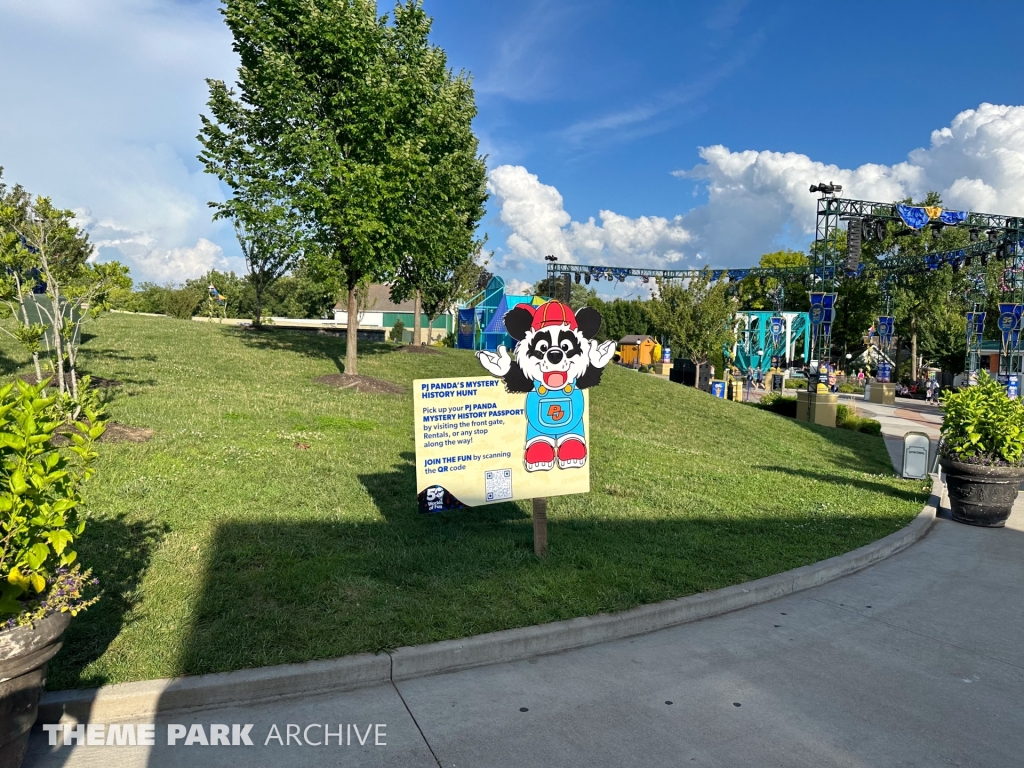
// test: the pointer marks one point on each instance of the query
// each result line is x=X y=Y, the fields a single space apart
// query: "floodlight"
x=577 y=278
x=975 y=235
x=587 y=278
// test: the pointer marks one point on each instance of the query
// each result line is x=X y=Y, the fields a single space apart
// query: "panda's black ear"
x=518 y=322
x=589 y=321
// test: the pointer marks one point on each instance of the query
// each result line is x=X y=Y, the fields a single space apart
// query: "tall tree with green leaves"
x=697 y=316
x=443 y=200
x=362 y=129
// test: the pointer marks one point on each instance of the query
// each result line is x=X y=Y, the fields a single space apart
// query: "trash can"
x=916 y=449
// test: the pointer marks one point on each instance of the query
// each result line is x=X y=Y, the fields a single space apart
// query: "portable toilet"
x=635 y=351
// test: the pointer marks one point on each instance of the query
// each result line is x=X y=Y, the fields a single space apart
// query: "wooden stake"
x=540 y=527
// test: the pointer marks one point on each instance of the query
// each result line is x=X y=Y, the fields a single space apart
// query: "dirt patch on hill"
x=362 y=384
x=116 y=433
x=418 y=349
x=97 y=381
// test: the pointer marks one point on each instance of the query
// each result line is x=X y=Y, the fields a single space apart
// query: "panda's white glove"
x=601 y=354
x=497 y=363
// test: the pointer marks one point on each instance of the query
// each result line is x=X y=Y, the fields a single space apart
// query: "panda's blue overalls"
x=554 y=413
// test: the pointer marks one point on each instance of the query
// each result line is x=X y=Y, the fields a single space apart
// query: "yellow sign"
x=472 y=443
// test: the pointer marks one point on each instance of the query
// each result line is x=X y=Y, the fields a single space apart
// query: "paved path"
x=916 y=661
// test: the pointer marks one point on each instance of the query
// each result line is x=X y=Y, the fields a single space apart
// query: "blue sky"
x=593 y=116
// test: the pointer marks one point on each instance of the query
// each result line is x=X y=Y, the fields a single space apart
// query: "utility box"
x=816 y=408
x=916 y=450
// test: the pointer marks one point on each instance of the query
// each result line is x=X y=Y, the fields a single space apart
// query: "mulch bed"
x=116 y=433
x=418 y=349
x=361 y=384
x=97 y=381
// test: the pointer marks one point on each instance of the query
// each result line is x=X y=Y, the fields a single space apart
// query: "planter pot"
x=24 y=653
x=981 y=495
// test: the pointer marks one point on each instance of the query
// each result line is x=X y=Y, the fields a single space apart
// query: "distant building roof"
x=379 y=300
x=635 y=339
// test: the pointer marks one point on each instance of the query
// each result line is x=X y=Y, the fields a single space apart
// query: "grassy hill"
x=220 y=544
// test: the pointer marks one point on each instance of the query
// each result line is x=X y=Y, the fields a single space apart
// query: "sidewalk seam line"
x=417 y=724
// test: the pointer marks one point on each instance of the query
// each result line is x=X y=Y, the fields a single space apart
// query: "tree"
x=57 y=252
x=444 y=197
x=917 y=296
x=270 y=247
x=445 y=290
x=754 y=292
x=696 y=316
x=334 y=115
x=622 y=317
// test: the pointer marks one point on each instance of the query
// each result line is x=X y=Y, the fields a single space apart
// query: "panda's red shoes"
x=572 y=453
x=540 y=455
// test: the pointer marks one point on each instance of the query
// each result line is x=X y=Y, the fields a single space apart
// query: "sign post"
x=540 y=527
x=523 y=434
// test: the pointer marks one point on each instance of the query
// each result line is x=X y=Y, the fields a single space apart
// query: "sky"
x=654 y=134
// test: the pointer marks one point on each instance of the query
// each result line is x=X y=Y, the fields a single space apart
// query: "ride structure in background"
x=836 y=256
x=991 y=236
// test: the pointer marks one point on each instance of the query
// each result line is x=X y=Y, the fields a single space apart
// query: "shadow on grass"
x=119 y=553
x=286 y=591
x=862 y=484
x=309 y=344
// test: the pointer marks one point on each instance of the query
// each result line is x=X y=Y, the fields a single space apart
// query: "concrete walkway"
x=916 y=661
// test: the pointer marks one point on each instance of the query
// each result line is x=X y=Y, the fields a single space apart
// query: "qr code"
x=498 y=484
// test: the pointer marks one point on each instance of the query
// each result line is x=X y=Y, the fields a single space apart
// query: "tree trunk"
x=58 y=339
x=351 y=331
x=257 y=321
x=913 y=349
x=35 y=355
x=417 y=309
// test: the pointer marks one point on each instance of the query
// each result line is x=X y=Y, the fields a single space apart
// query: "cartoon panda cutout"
x=556 y=358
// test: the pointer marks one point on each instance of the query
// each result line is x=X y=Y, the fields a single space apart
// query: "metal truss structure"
x=1003 y=241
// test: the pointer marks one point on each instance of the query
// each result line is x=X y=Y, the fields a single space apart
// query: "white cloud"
x=99 y=110
x=539 y=225
x=517 y=287
x=759 y=201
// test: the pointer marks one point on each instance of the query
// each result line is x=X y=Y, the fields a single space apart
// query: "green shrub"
x=40 y=498
x=847 y=418
x=780 y=404
x=847 y=389
x=796 y=383
x=396 y=334
x=182 y=303
x=982 y=425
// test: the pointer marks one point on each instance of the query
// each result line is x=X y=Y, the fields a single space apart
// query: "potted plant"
x=41 y=584
x=982 y=452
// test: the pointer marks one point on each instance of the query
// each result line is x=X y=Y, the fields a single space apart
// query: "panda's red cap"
x=553 y=313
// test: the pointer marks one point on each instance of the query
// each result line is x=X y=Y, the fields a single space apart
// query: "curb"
x=250 y=686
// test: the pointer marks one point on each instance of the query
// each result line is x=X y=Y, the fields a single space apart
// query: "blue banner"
x=776 y=326
x=1009 y=325
x=885 y=330
x=467 y=328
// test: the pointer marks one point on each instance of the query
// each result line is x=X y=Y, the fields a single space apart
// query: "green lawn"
x=220 y=545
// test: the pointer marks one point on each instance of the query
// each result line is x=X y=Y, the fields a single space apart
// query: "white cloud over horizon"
x=758 y=201
x=99 y=110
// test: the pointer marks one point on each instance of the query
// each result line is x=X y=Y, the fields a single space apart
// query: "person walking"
x=860 y=377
